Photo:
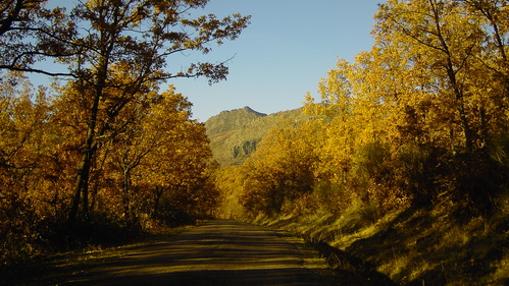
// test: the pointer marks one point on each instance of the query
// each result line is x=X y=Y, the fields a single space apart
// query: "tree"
x=281 y=169
x=29 y=32
x=134 y=36
x=447 y=41
x=23 y=120
x=161 y=148
x=496 y=15
x=179 y=167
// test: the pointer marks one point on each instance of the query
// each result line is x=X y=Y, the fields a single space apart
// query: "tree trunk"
x=95 y=189
x=451 y=140
x=125 y=195
x=84 y=170
x=485 y=134
x=81 y=188
x=503 y=54
x=159 y=193
x=451 y=74
x=467 y=131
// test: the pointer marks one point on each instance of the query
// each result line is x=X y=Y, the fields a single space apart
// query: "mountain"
x=234 y=134
x=231 y=120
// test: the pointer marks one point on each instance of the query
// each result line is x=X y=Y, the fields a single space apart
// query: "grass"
x=415 y=245
x=396 y=266
x=501 y=272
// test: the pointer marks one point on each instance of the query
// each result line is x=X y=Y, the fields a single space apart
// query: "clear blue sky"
x=288 y=47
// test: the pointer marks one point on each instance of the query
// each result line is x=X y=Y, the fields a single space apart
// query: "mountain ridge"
x=234 y=134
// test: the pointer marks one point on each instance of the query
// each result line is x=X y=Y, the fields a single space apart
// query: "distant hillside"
x=231 y=120
x=234 y=134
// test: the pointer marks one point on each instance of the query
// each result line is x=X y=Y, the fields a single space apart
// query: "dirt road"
x=212 y=253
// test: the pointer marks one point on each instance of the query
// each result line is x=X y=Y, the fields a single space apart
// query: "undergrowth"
x=415 y=245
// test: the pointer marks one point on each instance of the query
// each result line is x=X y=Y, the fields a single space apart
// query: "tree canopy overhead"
x=143 y=33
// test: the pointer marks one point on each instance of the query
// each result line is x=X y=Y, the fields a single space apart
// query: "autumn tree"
x=179 y=170
x=162 y=152
x=425 y=105
x=495 y=15
x=280 y=170
x=31 y=33
x=137 y=36
x=23 y=120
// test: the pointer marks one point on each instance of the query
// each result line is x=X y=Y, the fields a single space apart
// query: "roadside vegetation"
x=403 y=159
x=106 y=151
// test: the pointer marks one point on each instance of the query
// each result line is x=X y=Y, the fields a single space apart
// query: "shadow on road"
x=213 y=253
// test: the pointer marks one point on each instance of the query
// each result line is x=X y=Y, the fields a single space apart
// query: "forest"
x=401 y=159
x=106 y=149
